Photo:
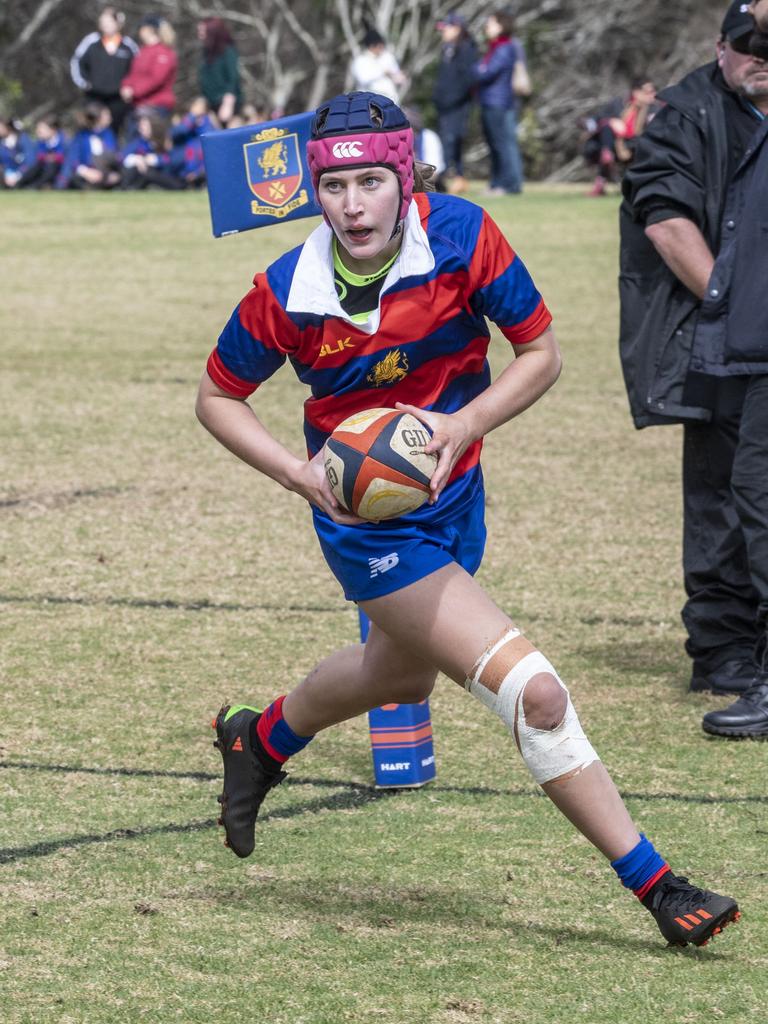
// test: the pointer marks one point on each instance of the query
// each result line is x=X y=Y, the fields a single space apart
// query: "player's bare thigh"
x=388 y=665
x=446 y=619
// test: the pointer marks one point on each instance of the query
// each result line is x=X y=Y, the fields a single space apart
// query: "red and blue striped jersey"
x=428 y=342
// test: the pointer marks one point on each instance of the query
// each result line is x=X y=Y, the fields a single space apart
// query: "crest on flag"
x=274 y=170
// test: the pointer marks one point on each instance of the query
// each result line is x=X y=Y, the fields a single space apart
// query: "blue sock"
x=641 y=868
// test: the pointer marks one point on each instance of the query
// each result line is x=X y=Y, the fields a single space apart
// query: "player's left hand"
x=451 y=437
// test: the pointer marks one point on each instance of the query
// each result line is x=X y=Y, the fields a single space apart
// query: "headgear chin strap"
x=362 y=129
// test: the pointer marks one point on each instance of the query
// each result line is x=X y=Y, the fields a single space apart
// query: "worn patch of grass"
x=145 y=576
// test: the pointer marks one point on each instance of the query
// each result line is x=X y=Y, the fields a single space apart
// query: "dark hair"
x=52 y=120
x=158 y=133
x=638 y=81
x=216 y=38
x=506 y=21
x=91 y=113
x=14 y=124
x=373 y=38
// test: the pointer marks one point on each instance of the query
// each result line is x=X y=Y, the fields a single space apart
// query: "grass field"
x=146 y=576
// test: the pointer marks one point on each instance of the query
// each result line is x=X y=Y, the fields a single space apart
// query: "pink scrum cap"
x=362 y=129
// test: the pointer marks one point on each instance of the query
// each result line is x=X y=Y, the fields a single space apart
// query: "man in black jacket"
x=452 y=94
x=101 y=61
x=687 y=356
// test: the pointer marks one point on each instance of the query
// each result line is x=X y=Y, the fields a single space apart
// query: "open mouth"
x=359 y=234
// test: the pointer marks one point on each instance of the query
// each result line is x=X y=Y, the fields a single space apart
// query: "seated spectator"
x=49 y=155
x=148 y=87
x=195 y=122
x=612 y=129
x=147 y=160
x=219 y=70
x=101 y=62
x=250 y=114
x=17 y=151
x=92 y=159
x=186 y=135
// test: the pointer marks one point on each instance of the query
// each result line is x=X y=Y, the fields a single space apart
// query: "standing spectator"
x=427 y=151
x=49 y=155
x=613 y=130
x=92 y=159
x=101 y=62
x=219 y=70
x=693 y=270
x=452 y=94
x=375 y=69
x=149 y=86
x=17 y=151
x=493 y=74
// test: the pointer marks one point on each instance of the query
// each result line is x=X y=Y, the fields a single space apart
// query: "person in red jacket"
x=148 y=87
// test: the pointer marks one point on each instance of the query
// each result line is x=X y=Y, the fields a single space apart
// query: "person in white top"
x=375 y=68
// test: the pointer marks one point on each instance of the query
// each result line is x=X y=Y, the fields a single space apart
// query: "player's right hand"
x=312 y=483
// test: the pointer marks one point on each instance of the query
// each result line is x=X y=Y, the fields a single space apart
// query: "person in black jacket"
x=683 y=208
x=452 y=94
x=101 y=61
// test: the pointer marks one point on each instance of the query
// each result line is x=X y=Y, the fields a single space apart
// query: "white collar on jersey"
x=312 y=287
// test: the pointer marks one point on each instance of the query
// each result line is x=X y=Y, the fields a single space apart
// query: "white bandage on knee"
x=548 y=753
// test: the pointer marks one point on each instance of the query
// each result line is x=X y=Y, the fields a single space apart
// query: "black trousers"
x=452 y=126
x=725 y=526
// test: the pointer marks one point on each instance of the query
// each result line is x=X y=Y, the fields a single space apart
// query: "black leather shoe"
x=747 y=716
x=734 y=676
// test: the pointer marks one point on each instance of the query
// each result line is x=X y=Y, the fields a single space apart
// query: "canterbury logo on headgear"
x=346 y=150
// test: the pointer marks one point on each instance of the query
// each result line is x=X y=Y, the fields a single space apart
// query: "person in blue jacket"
x=49 y=154
x=493 y=74
x=187 y=146
x=150 y=159
x=92 y=160
x=17 y=151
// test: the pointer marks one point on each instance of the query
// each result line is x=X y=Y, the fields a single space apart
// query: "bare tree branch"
x=38 y=19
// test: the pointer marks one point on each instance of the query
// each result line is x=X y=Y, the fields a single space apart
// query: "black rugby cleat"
x=246 y=781
x=686 y=914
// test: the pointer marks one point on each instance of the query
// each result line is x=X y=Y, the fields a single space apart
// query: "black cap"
x=454 y=18
x=152 y=20
x=737 y=21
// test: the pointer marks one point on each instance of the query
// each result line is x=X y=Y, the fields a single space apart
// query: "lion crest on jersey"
x=392 y=368
x=274 y=172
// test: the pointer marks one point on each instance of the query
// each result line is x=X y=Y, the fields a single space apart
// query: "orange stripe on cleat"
x=237 y=745
x=692 y=917
x=688 y=927
x=703 y=913
x=736 y=916
x=213 y=723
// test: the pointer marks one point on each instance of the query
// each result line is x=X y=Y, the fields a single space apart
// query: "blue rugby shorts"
x=374 y=559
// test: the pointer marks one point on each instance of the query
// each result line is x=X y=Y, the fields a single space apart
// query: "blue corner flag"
x=258 y=175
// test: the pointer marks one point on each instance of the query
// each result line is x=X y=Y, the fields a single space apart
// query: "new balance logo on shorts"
x=383 y=564
x=347 y=150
